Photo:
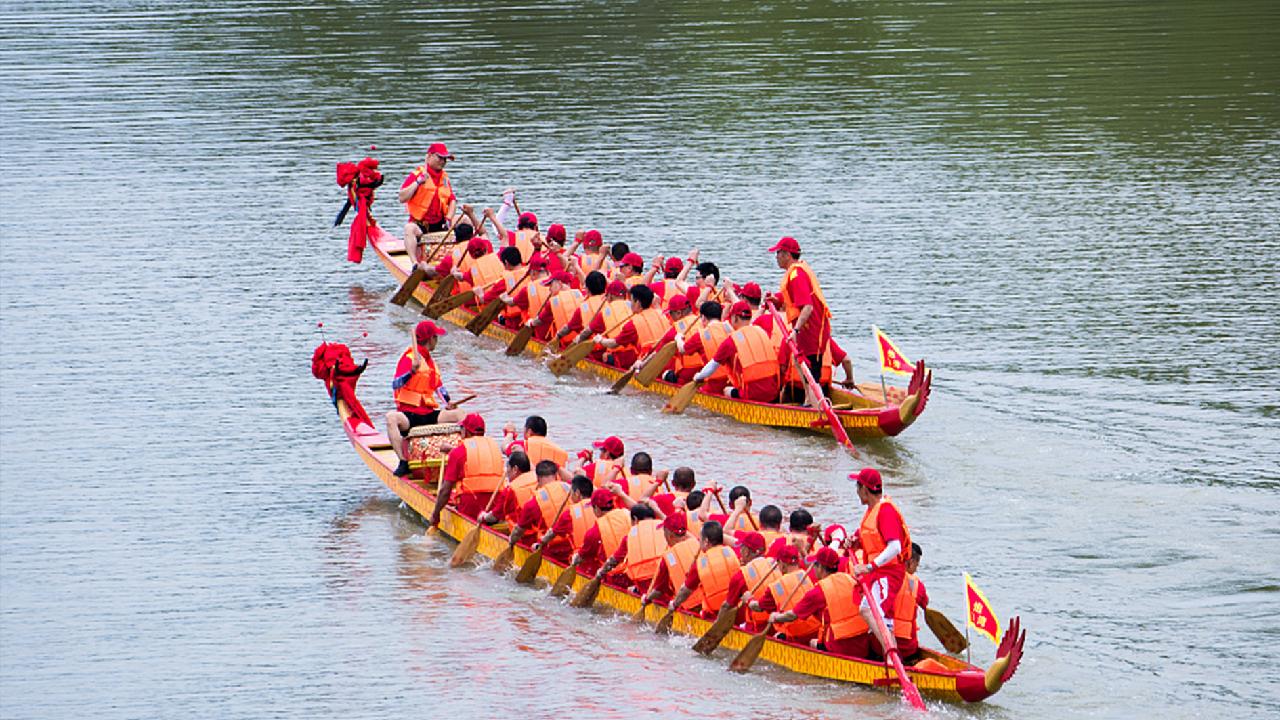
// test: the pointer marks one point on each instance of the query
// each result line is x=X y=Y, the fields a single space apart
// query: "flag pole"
x=884 y=391
x=968 y=619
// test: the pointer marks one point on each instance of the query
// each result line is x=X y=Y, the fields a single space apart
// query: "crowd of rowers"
x=725 y=335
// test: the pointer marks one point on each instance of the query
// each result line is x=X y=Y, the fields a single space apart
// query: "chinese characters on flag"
x=981 y=617
x=892 y=359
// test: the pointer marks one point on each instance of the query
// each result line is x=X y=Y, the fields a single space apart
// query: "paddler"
x=609 y=319
x=484 y=270
x=429 y=198
x=561 y=300
x=609 y=466
x=474 y=467
x=753 y=576
x=800 y=531
x=683 y=482
x=527 y=301
x=636 y=336
x=605 y=535
x=640 y=551
x=779 y=597
x=672 y=284
x=594 y=258
x=711 y=572
x=418 y=391
x=537 y=514
x=630 y=270
x=585 y=311
x=677 y=561
x=770 y=531
x=886 y=544
x=569 y=530
x=512 y=276
x=751 y=358
x=835 y=599
x=910 y=599
x=804 y=306
x=684 y=324
x=534 y=442
x=695 y=351
x=708 y=279
x=740 y=517
x=520 y=482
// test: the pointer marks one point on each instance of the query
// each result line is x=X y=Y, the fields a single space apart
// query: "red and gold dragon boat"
x=867 y=414
x=958 y=681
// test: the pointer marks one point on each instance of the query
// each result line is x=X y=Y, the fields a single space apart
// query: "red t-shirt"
x=762 y=390
x=624 y=357
x=592 y=551
x=817 y=330
x=889 y=523
x=838 y=355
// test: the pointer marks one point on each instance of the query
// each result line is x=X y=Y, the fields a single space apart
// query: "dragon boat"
x=872 y=412
x=957 y=681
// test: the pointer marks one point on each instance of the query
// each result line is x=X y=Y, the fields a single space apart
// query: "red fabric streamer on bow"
x=360 y=179
x=332 y=363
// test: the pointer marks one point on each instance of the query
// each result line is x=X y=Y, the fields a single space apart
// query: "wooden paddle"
x=529 y=570
x=453 y=302
x=485 y=317
x=416 y=277
x=622 y=381
x=909 y=690
x=952 y=639
x=664 y=623
x=654 y=365
x=565 y=580
x=471 y=540
x=837 y=429
x=521 y=340
x=586 y=597
x=443 y=290
x=567 y=360
x=639 y=616
x=747 y=656
x=680 y=401
x=719 y=629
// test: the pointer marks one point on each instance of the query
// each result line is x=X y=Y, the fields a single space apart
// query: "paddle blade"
x=521 y=339
x=664 y=625
x=951 y=638
x=443 y=290
x=747 y=656
x=586 y=597
x=454 y=302
x=682 y=398
x=714 y=635
x=503 y=561
x=564 y=581
x=529 y=570
x=466 y=548
x=638 y=618
x=621 y=382
x=654 y=365
x=410 y=284
x=485 y=317
x=571 y=357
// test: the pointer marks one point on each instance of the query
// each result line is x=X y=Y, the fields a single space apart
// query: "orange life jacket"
x=645 y=546
x=798 y=267
x=614 y=315
x=482 y=471
x=714 y=335
x=539 y=448
x=716 y=567
x=844 y=620
x=769 y=537
x=583 y=519
x=687 y=327
x=670 y=289
x=637 y=484
x=695 y=525
x=522 y=488
x=592 y=262
x=420 y=390
x=743 y=523
x=524 y=243
x=562 y=306
x=758 y=574
x=421 y=200
x=633 y=280
x=538 y=294
x=679 y=558
x=462 y=262
x=756 y=359
x=869 y=533
x=602 y=470
x=550 y=499
x=780 y=590
x=614 y=525
x=904 y=609
x=486 y=270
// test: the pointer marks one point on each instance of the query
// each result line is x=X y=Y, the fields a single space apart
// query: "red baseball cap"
x=591 y=238
x=478 y=245
x=752 y=541
x=740 y=309
x=618 y=288
x=427 y=329
x=612 y=445
x=473 y=424
x=556 y=232
x=673 y=264
x=827 y=558
x=439 y=149
x=750 y=290
x=677 y=302
x=561 y=277
x=633 y=259
x=788 y=554
x=676 y=523
x=787 y=243
x=602 y=498
x=529 y=218
x=867 y=477
x=538 y=260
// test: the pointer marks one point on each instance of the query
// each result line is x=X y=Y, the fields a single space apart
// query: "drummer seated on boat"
x=835 y=599
x=534 y=442
x=429 y=198
x=565 y=534
x=638 y=334
x=560 y=289
x=886 y=543
x=711 y=572
x=752 y=359
x=605 y=535
x=639 y=552
x=779 y=597
x=418 y=392
x=537 y=514
x=474 y=468
x=681 y=554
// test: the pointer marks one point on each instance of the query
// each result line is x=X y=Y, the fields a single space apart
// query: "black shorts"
x=435 y=227
x=416 y=419
x=815 y=366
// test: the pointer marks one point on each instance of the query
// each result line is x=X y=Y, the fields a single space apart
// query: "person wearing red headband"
x=805 y=307
x=428 y=195
x=418 y=391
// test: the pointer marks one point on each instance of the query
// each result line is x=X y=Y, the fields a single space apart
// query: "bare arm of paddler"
x=682 y=278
